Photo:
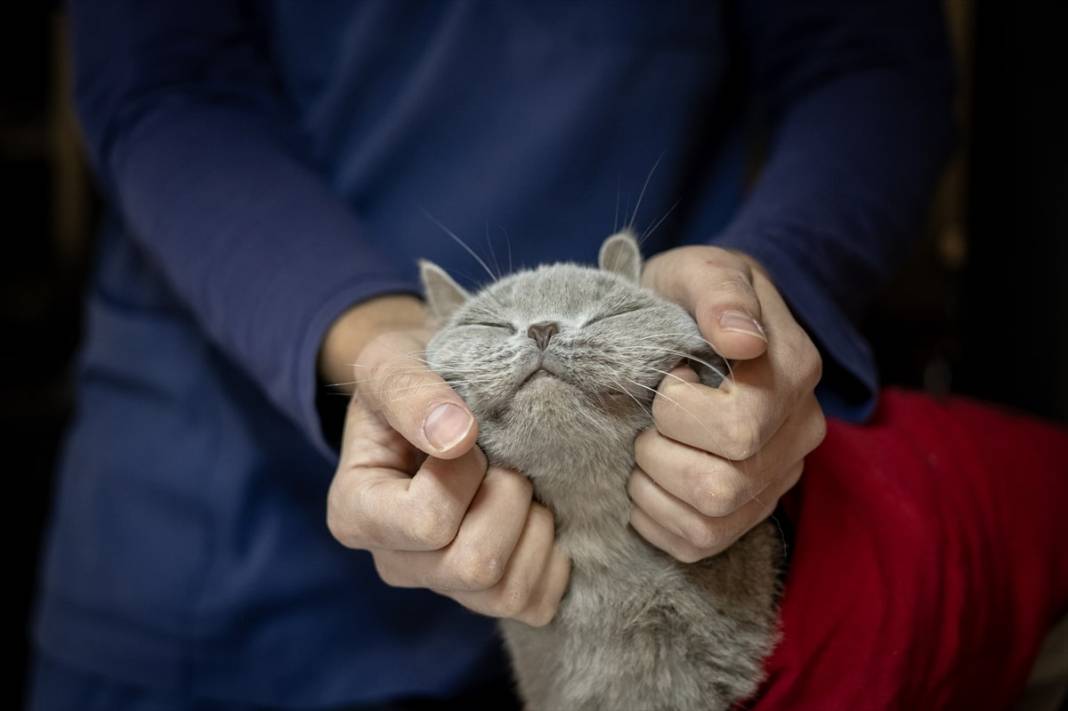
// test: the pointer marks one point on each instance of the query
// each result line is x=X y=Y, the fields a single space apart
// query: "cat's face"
x=560 y=346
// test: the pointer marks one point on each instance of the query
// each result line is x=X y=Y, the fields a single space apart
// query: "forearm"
x=190 y=142
x=849 y=176
x=858 y=96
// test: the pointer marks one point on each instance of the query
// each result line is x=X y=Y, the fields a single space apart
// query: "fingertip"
x=682 y=371
x=738 y=346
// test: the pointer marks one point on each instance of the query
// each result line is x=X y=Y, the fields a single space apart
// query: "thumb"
x=416 y=401
x=716 y=287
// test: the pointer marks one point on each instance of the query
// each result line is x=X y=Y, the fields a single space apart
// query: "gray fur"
x=636 y=629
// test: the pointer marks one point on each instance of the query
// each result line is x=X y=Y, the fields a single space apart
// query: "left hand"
x=698 y=486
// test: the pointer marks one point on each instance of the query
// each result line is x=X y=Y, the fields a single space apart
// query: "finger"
x=534 y=581
x=381 y=507
x=716 y=486
x=733 y=422
x=687 y=535
x=367 y=440
x=417 y=402
x=709 y=484
x=552 y=586
x=673 y=544
x=716 y=286
x=737 y=419
x=478 y=557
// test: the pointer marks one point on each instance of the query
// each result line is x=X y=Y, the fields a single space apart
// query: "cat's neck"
x=583 y=480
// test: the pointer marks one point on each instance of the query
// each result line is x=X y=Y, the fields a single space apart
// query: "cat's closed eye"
x=613 y=314
x=489 y=324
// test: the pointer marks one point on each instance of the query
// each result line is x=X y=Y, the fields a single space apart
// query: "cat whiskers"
x=493 y=277
x=616 y=385
x=413 y=355
x=401 y=393
x=677 y=334
x=649 y=233
x=670 y=375
x=685 y=334
x=412 y=371
x=645 y=186
x=714 y=369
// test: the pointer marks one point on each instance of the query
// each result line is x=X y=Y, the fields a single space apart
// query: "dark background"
x=982 y=308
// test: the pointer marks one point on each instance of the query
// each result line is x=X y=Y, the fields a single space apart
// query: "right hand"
x=414 y=489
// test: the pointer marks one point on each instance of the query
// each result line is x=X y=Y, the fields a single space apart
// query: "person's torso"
x=189 y=529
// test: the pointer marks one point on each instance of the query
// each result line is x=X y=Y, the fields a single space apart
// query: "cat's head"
x=562 y=347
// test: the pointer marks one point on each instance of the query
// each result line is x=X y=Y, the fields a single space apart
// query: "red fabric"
x=931 y=557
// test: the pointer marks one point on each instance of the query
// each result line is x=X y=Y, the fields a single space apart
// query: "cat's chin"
x=538 y=377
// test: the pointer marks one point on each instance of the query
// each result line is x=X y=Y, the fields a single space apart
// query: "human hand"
x=699 y=485
x=414 y=489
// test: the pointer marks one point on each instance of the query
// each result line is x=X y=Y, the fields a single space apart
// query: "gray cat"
x=560 y=365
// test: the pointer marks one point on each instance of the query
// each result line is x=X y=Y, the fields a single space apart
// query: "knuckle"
x=339 y=519
x=819 y=428
x=377 y=374
x=432 y=526
x=703 y=534
x=732 y=258
x=385 y=572
x=392 y=383
x=368 y=355
x=478 y=569
x=514 y=598
x=715 y=497
x=813 y=364
x=743 y=439
x=374 y=359
x=698 y=468
x=332 y=514
x=687 y=554
x=733 y=286
x=540 y=615
x=338 y=529
x=335 y=532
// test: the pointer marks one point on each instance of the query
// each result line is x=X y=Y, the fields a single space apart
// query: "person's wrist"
x=358 y=326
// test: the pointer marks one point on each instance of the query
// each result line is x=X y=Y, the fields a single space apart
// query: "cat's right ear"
x=443 y=294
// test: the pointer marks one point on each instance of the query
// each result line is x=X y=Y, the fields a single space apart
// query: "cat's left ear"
x=443 y=294
x=620 y=254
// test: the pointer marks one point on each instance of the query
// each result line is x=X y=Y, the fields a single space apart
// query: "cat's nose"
x=542 y=331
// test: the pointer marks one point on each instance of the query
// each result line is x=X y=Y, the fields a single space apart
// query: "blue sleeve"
x=858 y=96
x=194 y=146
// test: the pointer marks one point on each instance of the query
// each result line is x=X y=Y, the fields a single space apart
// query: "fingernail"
x=446 y=425
x=740 y=322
